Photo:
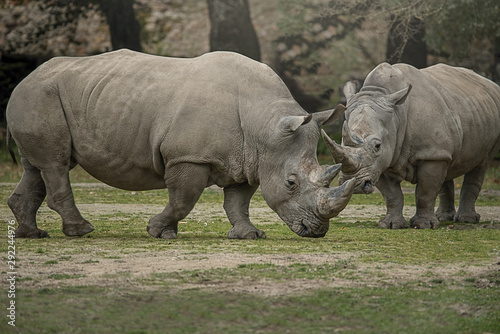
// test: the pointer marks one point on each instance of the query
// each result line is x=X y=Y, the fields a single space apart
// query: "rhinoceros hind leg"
x=185 y=184
x=25 y=201
x=468 y=195
x=446 y=210
x=236 y=204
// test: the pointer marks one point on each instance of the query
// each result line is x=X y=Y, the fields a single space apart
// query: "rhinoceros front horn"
x=339 y=153
x=333 y=201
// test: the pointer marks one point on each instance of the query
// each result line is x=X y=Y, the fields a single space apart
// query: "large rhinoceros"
x=425 y=126
x=139 y=122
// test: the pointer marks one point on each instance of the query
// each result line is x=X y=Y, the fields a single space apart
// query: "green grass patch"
x=351 y=310
x=64 y=276
x=371 y=243
x=257 y=271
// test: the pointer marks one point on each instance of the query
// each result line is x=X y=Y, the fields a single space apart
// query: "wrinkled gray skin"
x=425 y=126
x=139 y=122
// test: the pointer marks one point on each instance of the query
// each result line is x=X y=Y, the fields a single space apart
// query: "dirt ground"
x=132 y=270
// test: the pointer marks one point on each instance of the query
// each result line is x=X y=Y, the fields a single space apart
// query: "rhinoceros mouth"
x=302 y=229
x=364 y=186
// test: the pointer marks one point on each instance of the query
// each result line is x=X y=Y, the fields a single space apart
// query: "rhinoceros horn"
x=350 y=139
x=326 y=174
x=335 y=199
x=340 y=154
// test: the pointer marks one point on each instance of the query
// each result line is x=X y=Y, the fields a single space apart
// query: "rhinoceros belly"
x=125 y=162
x=122 y=174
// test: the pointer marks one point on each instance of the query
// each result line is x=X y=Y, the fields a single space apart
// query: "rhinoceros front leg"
x=430 y=178
x=236 y=204
x=446 y=210
x=394 y=201
x=468 y=195
x=185 y=184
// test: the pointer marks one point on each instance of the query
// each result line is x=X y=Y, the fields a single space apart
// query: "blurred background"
x=314 y=45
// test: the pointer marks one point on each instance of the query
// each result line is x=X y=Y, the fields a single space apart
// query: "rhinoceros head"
x=369 y=136
x=293 y=183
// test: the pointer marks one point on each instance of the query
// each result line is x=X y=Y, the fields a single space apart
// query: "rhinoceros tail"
x=9 y=147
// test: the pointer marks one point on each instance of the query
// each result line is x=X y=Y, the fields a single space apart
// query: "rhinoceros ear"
x=349 y=89
x=399 y=97
x=292 y=123
x=329 y=116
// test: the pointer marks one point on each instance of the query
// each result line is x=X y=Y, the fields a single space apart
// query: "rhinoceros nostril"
x=368 y=187
x=300 y=229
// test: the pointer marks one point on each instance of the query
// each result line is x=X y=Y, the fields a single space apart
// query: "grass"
x=356 y=290
x=365 y=310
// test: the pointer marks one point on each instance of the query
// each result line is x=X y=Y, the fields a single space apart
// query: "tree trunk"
x=231 y=28
x=406 y=44
x=124 y=28
x=495 y=70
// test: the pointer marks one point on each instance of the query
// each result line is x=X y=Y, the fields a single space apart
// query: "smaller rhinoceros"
x=425 y=126
x=139 y=122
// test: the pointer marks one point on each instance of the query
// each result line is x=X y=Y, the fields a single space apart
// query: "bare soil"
x=134 y=271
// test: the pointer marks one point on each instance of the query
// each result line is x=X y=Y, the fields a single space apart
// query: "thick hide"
x=425 y=126
x=139 y=122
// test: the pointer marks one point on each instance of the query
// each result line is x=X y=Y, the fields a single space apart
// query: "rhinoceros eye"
x=376 y=144
x=291 y=182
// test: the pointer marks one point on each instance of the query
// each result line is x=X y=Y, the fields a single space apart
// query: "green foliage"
x=333 y=34
x=461 y=25
x=305 y=31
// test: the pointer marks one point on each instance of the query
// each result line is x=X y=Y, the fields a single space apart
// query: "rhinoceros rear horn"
x=339 y=153
x=336 y=199
x=328 y=173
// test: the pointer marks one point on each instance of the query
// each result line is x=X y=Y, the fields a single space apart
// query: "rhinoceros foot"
x=77 y=229
x=424 y=222
x=393 y=221
x=161 y=232
x=33 y=233
x=161 y=227
x=467 y=217
x=445 y=216
x=245 y=232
